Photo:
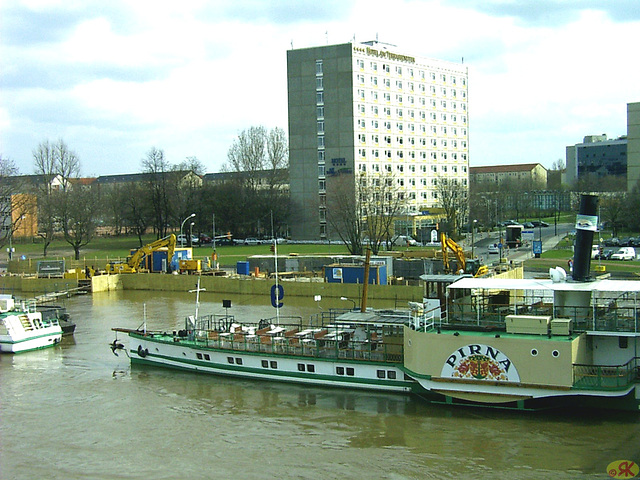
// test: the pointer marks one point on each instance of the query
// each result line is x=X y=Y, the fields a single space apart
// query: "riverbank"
x=236 y=285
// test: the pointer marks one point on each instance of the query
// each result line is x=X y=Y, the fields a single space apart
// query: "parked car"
x=605 y=255
x=494 y=248
x=528 y=225
x=624 y=253
x=403 y=241
x=252 y=241
x=204 y=238
x=225 y=241
x=612 y=242
x=184 y=239
x=538 y=223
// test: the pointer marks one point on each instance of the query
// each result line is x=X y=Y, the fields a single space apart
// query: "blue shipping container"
x=242 y=268
x=355 y=274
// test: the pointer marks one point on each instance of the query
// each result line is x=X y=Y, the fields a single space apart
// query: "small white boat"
x=22 y=328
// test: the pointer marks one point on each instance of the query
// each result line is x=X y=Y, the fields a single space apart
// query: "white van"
x=595 y=251
x=624 y=253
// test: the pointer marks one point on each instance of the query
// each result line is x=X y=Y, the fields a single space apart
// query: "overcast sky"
x=115 y=78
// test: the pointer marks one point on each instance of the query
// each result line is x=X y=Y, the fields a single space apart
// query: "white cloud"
x=114 y=79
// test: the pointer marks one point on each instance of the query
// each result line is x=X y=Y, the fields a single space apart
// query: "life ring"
x=143 y=352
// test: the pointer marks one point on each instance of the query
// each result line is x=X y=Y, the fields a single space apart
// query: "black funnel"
x=586 y=225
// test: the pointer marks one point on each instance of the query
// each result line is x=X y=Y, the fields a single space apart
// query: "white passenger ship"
x=22 y=328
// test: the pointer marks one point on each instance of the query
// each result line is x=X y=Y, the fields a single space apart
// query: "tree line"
x=250 y=199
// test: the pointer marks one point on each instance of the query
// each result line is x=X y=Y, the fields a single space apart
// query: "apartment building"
x=533 y=174
x=376 y=110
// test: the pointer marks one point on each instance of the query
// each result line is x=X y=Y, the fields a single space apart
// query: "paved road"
x=550 y=238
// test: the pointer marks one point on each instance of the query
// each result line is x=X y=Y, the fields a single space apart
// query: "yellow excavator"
x=132 y=264
x=471 y=266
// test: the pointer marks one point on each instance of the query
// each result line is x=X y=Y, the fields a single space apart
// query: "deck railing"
x=604 y=318
x=606 y=377
x=309 y=347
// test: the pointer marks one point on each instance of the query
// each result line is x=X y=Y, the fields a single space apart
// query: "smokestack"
x=586 y=225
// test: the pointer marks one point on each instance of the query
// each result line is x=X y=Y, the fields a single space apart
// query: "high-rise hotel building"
x=369 y=108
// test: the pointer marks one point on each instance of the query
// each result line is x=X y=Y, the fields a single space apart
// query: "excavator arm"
x=169 y=241
x=449 y=244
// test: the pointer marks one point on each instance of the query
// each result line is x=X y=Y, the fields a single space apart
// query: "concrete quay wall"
x=251 y=286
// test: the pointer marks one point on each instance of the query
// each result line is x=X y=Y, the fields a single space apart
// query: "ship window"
x=207 y=357
x=381 y=374
x=391 y=374
x=534 y=352
x=265 y=364
x=555 y=354
x=274 y=364
x=230 y=359
x=350 y=371
x=340 y=370
x=199 y=355
x=623 y=342
x=301 y=367
x=238 y=361
x=311 y=368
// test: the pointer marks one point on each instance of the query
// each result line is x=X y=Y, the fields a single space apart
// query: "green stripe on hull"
x=276 y=375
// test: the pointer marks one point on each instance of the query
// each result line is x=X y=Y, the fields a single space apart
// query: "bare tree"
x=45 y=166
x=260 y=161
x=381 y=202
x=453 y=199
x=157 y=169
x=614 y=210
x=15 y=204
x=78 y=207
x=344 y=213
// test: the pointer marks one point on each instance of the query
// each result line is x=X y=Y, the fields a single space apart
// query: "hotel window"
x=321 y=170
x=374 y=81
x=320 y=142
x=361 y=94
x=320 y=127
x=398 y=85
x=320 y=112
x=321 y=156
x=319 y=83
x=361 y=79
x=360 y=64
x=376 y=154
x=374 y=109
x=318 y=67
x=387 y=97
x=373 y=66
x=322 y=215
x=387 y=111
x=387 y=83
x=374 y=96
x=322 y=185
x=374 y=138
x=320 y=98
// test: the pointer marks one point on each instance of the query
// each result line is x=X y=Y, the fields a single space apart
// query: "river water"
x=77 y=411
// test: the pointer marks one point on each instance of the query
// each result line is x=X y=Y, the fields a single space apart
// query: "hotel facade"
x=371 y=109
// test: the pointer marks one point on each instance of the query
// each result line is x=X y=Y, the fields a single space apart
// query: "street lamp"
x=181 y=227
x=473 y=228
x=344 y=299
x=190 y=242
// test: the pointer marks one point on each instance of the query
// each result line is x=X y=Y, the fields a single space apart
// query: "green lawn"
x=103 y=248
